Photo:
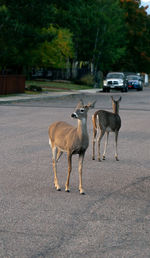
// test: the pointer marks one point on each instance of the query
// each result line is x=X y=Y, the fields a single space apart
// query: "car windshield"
x=115 y=75
x=131 y=77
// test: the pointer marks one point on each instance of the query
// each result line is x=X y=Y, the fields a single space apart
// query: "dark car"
x=135 y=82
x=115 y=80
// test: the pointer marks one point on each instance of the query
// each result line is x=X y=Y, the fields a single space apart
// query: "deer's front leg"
x=81 y=158
x=54 y=152
x=69 y=171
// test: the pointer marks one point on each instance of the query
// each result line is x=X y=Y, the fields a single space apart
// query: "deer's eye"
x=81 y=110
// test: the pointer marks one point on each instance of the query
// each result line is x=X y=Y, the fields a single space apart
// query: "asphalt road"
x=111 y=220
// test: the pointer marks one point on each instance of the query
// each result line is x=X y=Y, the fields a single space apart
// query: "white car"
x=115 y=80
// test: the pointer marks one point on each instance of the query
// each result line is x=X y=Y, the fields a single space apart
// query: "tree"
x=21 y=31
x=56 y=52
x=137 y=57
x=98 y=37
x=109 y=37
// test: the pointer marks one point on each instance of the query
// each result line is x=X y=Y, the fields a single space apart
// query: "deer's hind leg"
x=54 y=159
x=59 y=154
x=94 y=140
x=106 y=143
x=102 y=132
x=116 y=143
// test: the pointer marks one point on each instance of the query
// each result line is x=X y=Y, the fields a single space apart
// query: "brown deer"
x=106 y=122
x=64 y=137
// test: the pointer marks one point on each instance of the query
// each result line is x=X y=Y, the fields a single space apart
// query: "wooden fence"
x=10 y=84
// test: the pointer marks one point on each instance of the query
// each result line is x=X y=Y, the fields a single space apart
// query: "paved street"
x=112 y=220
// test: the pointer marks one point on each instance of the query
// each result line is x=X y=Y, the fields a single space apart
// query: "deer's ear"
x=91 y=105
x=112 y=98
x=80 y=104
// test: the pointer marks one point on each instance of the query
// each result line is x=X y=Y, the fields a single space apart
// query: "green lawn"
x=51 y=86
x=58 y=86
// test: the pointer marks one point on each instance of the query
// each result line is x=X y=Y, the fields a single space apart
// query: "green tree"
x=110 y=36
x=21 y=28
x=56 y=52
x=138 y=34
x=98 y=37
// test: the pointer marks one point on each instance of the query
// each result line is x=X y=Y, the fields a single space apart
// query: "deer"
x=105 y=122
x=64 y=137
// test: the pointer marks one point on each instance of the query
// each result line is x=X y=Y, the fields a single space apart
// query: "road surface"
x=111 y=220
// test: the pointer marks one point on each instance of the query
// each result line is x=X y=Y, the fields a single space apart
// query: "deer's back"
x=108 y=120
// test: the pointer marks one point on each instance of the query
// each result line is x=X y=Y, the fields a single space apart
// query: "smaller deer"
x=106 y=122
x=64 y=137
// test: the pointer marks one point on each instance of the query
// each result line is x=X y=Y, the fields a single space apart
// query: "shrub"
x=87 y=79
x=34 y=88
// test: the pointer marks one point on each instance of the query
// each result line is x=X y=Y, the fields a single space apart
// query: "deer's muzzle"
x=74 y=115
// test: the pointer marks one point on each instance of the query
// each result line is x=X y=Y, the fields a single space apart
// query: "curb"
x=25 y=98
x=28 y=98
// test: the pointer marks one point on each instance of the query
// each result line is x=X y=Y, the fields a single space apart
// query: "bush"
x=87 y=79
x=34 y=88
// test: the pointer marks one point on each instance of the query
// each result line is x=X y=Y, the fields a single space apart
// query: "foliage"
x=138 y=34
x=98 y=37
x=87 y=79
x=21 y=30
x=56 y=52
x=112 y=34
x=33 y=87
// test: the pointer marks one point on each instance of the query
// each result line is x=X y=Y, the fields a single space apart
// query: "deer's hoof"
x=99 y=159
x=57 y=187
x=67 y=189
x=117 y=159
x=104 y=158
x=81 y=191
x=93 y=158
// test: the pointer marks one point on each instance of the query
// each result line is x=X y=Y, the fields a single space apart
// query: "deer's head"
x=82 y=110
x=115 y=104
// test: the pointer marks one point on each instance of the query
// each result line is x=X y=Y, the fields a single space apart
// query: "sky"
x=144 y=3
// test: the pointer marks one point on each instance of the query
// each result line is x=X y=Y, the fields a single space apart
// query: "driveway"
x=111 y=220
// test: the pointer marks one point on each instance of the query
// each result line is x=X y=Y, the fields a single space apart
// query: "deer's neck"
x=116 y=109
x=82 y=128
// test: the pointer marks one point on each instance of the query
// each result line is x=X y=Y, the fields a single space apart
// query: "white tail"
x=64 y=137
x=106 y=122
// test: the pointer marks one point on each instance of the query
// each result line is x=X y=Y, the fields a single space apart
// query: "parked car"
x=135 y=82
x=115 y=80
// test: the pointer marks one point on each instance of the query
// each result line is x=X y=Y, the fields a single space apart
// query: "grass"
x=50 y=86
x=58 y=86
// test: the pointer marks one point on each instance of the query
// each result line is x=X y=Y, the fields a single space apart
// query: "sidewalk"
x=26 y=97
